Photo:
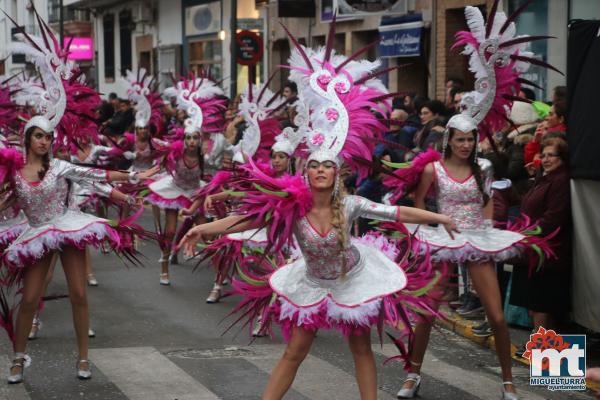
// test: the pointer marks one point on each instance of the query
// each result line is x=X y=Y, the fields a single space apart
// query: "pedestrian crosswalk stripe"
x=317 y=379
x=10 y=392
x=143 y=373
x=475 y=383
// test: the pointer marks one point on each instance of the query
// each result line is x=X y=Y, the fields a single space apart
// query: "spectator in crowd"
x=546 y=292
x=457 y=98
x=524 y=118
x=409 y=103
x=432 y=135
x=430 y=110
x=527 y=93
x=559 y=94
x=121 y=121
x=104 y=112
x=401 y=133
x=113 y=99
x=552 y=126
x=290 y=90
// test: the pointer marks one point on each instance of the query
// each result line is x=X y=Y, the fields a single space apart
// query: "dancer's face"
x=40 y=142
x=280 y=162
x=142 y=134
x=192 y=140
x=462 y=144
x=321 y=175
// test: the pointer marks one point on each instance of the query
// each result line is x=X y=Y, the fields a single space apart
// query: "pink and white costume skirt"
x=72 y=228
x=10 y=229
x=470 y=245
x=166 y=194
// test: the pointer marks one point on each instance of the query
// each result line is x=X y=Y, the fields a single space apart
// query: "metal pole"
x=61 y=24
x=233 y=52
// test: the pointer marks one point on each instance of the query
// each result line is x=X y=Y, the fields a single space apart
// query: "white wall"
x=23 y=17
x=558 y=11
x=169 y=23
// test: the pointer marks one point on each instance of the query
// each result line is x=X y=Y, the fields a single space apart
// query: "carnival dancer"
x=204 y=103
x=338 y=282
x=462 y=183
x=258 y=142
x=39 y=184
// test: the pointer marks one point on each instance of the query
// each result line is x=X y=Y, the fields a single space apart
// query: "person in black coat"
x=547 y=292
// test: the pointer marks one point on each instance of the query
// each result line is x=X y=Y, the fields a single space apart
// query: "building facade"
x=170 y=37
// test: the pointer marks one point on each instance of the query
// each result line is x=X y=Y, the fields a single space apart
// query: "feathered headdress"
x=8 y=109
x=498 y=59
x=148 y=104
x=256 y=106
x=343 y=95
x=203 y=100
x=65 y=101
x=290 y=137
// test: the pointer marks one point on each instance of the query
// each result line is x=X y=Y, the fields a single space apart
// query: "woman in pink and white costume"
x=39 y=185
x=202 y=100
x=462 y=183
x=338 y=283
x=262 y=141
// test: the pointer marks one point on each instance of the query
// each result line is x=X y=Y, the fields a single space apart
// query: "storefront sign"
x=402 y=40
x=250 y=24
x=80 y=48
x=250 y=48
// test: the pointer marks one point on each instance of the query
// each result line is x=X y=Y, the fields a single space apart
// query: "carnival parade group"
x=262 y=202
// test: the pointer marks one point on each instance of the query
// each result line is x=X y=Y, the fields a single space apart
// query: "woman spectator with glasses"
x=546 y=292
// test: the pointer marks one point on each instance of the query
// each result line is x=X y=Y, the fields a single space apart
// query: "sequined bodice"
x=143 y=160
x=185 y=177
x=460 y=200
x=322 y=254
x=45 y=201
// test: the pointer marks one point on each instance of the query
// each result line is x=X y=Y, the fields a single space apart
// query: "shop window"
x=206 y=54
x=126 y=26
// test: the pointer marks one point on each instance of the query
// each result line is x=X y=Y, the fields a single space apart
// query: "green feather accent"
x=395 y=165
x=425 y=289
x=271 y=192
x=247 y=279
x=535 y=232
x=234 y=193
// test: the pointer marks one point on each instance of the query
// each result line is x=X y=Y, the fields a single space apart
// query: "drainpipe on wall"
x=233 y=61
x=433 y=50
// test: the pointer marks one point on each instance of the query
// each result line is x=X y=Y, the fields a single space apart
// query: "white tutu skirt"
x=165 y=193
x=11 y=228
x=349 y=304
x=469 y=245
x=72 y=228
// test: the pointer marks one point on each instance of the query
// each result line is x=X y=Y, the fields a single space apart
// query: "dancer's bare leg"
x=72 y=258
x=364 y=365
x=284 y=372
x=486 y=285
x=34 y=279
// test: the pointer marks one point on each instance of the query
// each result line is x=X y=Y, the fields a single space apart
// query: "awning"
x=400 y=40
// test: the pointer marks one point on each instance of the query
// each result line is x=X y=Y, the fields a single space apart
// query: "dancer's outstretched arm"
x=198 y=233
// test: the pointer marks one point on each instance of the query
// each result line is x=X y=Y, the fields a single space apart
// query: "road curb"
x=464 y=328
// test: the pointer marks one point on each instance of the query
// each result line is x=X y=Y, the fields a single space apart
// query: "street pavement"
x=165 y=343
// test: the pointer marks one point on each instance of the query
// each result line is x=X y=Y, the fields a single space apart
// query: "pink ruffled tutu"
x=71 y=228
x=166 y=194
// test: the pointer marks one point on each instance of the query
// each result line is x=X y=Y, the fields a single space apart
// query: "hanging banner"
x=401 y=40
